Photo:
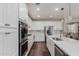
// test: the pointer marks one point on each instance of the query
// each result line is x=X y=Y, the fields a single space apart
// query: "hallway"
x=39 y=49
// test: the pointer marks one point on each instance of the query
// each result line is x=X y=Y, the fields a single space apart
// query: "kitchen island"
x=69 y=46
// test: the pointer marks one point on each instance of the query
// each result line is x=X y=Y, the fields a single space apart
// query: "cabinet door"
x=1 y=44
x=30 y=42
x=49 y=44
x=23 y=11
x=10 y=44
x=52 y=48
x=12 y=14
x=3 y=13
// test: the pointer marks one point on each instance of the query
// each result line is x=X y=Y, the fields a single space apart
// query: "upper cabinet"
x=8 y=15
x=23 y=11
x=3 y=14
x=23 y=14
x=12 y=14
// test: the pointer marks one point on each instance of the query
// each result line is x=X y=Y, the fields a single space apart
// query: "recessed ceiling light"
x=56 y=9
x=38 y=9
x=38 y=15
x=50 y=16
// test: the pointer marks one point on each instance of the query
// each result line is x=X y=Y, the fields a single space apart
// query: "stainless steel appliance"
x=23 y=38
x=59 y=52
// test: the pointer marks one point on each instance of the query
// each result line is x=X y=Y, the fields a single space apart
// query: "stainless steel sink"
x=57 y=39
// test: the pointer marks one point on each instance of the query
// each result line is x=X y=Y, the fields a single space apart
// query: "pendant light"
x=62 y=20
x=62 y=15
x=69 y=12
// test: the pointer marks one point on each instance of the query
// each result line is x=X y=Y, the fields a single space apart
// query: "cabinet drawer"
x=4 y=30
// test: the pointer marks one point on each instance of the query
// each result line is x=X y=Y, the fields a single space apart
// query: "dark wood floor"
x=39 y=49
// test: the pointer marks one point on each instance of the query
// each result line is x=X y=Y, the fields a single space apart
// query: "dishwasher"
x=59 y=52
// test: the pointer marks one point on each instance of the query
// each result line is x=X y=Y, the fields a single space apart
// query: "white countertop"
x=69 y=46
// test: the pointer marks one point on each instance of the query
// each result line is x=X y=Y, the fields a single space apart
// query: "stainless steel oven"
x=23 y=38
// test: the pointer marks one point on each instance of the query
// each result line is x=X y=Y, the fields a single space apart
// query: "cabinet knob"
x=7 y=24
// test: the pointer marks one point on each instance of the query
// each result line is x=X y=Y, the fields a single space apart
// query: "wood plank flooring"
x=39 y=49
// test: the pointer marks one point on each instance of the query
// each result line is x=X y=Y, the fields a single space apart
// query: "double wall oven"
x=23 y=38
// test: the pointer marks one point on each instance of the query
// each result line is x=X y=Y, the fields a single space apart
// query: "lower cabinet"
x=1 y=44
x=54 y=49
x=59 y=52
x=30 y=43
x=9 y=43
x=50 y=45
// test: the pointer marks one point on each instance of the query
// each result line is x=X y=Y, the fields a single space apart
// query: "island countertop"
x=69 y=46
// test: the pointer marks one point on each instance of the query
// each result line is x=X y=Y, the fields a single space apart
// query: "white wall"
x=73 y=20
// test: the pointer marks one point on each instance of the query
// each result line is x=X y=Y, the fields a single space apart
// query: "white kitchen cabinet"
x=1 y=44
x=8 y=42
x=8 y=14
x=39 y=35
x=3 y=13
x=12 y=14
x=30 y=40
x=23 y=14
x=30 y=43
x=50 y=46
x=23 y=11
x=47 y=43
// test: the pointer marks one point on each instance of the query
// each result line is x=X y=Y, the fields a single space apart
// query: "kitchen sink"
x=57 y=39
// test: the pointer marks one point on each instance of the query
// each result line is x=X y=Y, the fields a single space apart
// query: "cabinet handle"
x=59 y=51
x=7 y=33
x=7 y=24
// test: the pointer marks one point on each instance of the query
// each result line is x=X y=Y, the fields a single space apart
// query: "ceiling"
x=52 y=11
